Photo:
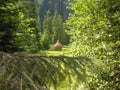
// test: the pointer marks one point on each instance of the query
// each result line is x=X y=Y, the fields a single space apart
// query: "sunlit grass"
x=54 y=53
x=65 y=51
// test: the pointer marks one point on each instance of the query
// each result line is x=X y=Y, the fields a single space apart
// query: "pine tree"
x=47 y=33
x=9 y=25
x=58 y=30
x=31 y=29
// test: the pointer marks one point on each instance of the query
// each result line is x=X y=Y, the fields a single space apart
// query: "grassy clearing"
x=65 y=51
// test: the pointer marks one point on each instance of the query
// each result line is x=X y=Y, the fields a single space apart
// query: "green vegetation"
x=95 y=31
x=89 y=31
x=65 y=51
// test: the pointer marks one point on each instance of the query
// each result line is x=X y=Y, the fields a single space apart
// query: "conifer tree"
x=9 y=25
x=47 y=33
x=57 y=27
x=30 y=31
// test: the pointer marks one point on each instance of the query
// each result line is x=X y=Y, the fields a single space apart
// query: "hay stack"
x=57 y=46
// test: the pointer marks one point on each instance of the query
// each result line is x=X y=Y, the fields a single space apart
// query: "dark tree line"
x=53 y=5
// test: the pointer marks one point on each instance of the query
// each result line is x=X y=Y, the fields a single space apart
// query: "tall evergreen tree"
x=57 y=27
x=47 y=33
x=9 y=25
x=30 y=31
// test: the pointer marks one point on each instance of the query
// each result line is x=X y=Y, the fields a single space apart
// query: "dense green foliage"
x=19 y=26
x=9 y=25
x=29 y=33
x=95 y=33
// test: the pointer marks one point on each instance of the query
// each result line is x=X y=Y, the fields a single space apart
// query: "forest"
x=59 y=44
